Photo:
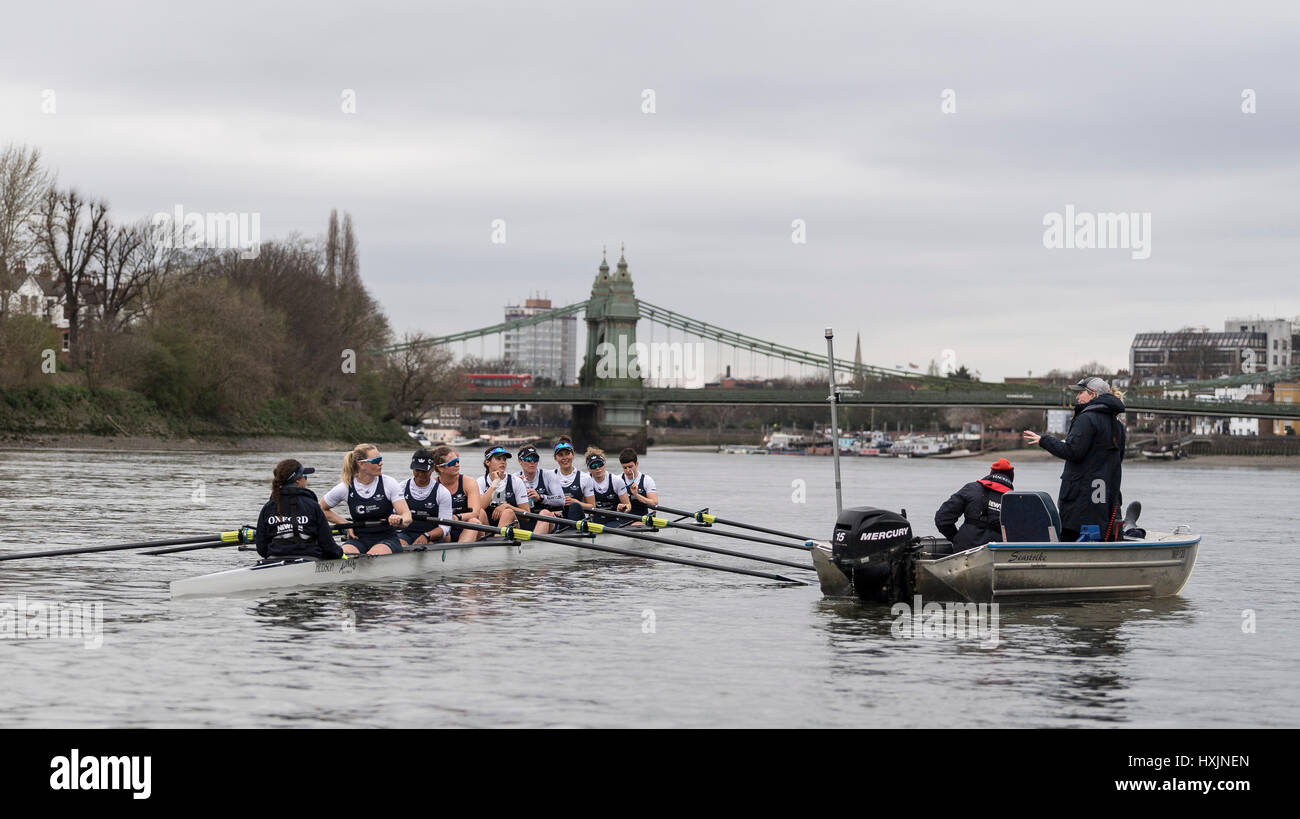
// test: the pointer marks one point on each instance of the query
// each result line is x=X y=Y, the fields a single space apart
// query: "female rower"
x=292 y=523
x=374 y=500
x=639 y=486
x=539 y=492
x=575 y=485
x=504 y=494
x=464 y=496
x=608 y=489
x=428 y=501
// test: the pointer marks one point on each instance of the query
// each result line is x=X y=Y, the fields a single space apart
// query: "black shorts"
x=365 y=543
x=409 y=536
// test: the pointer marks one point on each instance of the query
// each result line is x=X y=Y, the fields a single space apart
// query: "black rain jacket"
x=275 y=533
x=1090 y=482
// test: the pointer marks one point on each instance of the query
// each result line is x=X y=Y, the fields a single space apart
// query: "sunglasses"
x=452 y=462
x=529 y=459
x=595 y=464
x=378 y=459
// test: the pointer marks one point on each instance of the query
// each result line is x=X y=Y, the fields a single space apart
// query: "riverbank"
x=67 y=416
x=148 y=443
x=1036 y=455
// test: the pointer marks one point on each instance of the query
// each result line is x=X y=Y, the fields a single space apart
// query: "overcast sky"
x=924 y=228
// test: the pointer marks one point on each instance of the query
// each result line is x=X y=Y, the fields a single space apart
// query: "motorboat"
x=873 y=554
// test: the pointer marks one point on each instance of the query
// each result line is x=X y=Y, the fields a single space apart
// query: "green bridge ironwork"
x=611 y=408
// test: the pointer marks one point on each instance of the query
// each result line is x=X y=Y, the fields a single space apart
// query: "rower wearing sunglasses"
x=374 y=500
x=428 y=501
x=608 y=489
x=538 y=489
x=575 y=485
x=504 y=493
x=464 y=496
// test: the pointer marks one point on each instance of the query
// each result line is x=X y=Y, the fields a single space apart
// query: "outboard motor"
x=874 y=549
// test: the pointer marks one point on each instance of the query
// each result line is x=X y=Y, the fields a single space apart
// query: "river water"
x=611 y=641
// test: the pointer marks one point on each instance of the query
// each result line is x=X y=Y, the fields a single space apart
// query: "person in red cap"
x=980 y=502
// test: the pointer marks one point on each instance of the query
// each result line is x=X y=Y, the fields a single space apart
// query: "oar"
x=706 y=518
x=513 y=533
x=650 y=520
x=237 y=536
x=335 y=528
x=597 y=528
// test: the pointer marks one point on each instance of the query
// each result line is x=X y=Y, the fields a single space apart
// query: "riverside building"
x=547 y=349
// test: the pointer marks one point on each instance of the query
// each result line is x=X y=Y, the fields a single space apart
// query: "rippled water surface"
x=569 y=642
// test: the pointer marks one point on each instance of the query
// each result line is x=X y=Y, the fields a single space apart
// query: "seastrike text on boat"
x=90 y=773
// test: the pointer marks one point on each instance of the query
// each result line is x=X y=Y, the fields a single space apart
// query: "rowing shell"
x=452 y=559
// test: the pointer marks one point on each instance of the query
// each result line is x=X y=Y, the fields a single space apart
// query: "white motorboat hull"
x=1156 y=566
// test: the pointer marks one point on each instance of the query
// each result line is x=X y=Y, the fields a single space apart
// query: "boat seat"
x=1030 y=517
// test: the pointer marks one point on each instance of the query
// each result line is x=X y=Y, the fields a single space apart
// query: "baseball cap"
x=422 y=460
x=1094 y=383
x=493 y=451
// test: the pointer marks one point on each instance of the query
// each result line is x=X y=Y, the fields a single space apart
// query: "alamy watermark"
x=23 y=619
x=1071 y=230
x=240 y=230
x=660 y=360
x=946 y=621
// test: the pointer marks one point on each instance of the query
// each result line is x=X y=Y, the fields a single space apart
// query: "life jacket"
x=993 y=483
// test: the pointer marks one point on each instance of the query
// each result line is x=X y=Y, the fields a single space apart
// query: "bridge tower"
x=611 y=365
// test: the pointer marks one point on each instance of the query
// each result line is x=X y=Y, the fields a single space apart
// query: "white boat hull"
x=1157 y=566
x=450 y=560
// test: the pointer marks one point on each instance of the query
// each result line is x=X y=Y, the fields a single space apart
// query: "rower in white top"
x=428 y=501
x=542 y=497
x=374 y=500
x=609 y=489
x=640 y=487
x=575 y=485
x=504 y=494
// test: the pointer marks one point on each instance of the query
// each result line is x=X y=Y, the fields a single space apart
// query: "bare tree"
x=417 y=378
x=332 y=249
x=23 y=184
x=71 y=231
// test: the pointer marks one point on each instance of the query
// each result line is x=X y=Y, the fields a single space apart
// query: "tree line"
x=200 y=331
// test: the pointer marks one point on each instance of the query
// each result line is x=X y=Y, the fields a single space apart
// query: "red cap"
x=1002 y=465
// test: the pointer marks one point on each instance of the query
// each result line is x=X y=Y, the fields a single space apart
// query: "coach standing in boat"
x=980 y=503
x=374 y=500
x=292 y=524
x=1090 y=482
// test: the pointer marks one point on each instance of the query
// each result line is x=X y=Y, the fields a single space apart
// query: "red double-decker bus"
x=497 y=382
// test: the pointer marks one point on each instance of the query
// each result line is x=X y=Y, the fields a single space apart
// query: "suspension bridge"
x=615 y=389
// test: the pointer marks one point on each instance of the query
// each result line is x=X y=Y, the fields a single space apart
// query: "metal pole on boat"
x=835 y=426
